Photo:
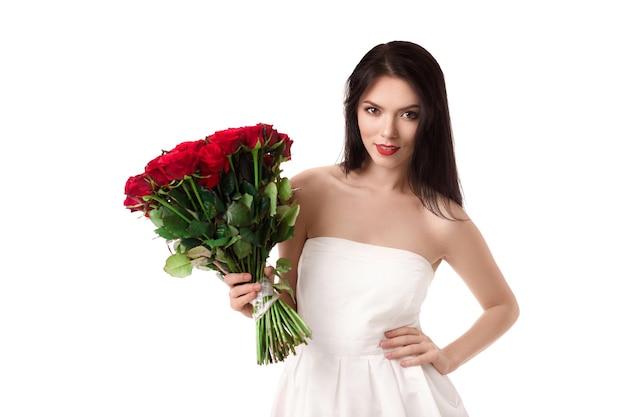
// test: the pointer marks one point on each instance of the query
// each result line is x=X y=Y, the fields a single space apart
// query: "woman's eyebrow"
x=370 y=102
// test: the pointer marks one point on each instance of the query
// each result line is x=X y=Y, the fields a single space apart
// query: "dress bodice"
x=350 y=293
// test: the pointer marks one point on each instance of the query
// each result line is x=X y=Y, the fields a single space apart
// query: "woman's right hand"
x=242 y=292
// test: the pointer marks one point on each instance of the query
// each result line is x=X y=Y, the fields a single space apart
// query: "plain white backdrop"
x=90 y=325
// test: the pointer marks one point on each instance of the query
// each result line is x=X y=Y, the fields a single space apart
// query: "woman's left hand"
x=414 y=348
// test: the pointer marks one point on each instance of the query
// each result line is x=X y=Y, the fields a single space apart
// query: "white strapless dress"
x=350 y=293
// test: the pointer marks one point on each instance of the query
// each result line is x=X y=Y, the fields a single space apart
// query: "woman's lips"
x=386 y=150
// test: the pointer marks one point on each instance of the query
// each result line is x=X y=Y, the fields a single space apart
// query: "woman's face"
x=388 y=117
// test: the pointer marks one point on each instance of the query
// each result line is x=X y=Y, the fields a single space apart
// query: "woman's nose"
x=389 y=128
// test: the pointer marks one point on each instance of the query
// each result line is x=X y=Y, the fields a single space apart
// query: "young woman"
x=371 y=233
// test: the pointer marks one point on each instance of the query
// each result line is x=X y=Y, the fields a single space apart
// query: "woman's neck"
x=380 y=178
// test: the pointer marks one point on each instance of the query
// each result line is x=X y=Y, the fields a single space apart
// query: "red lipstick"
x=386 y=150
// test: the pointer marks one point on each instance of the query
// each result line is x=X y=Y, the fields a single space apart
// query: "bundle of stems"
x=222 y=204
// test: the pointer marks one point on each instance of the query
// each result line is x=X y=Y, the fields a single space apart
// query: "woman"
x=371 y=233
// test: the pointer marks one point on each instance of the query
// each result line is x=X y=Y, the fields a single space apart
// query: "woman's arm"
x=467 y=253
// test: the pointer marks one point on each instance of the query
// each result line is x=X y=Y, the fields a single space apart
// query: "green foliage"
x=238 y=222
x=284 y=190
x=198 y=228
x=237 y=214
x=271 y=192
x=233 y=227
x=228 y=183
x=178 y=265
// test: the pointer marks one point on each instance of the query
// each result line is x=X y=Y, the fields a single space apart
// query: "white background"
x=90 y=325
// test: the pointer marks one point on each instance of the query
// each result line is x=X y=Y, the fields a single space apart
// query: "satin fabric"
x=350 y=293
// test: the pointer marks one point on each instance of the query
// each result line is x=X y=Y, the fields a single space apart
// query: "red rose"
x=134 y=204
x=154 y=170
x=190 y=148
x=271 y=135
x=212 y=161
x=209 y=181
x=288 y=143
x=254 y=135
x=176 y=164
x=229 y=140
x=136 y=188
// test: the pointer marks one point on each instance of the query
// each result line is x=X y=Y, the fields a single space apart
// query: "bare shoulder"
x=312 y=191
x=445 y=213
x=456 y=232
x=450 y=224
x=312 y=176
x=314 y=181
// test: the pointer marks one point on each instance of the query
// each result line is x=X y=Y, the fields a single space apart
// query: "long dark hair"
x=432 y=171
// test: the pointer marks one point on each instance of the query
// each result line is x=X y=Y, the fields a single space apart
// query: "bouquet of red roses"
x=222 y=204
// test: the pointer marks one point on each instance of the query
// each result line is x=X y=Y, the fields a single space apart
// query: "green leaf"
x=283 y=265
x=189 y=244
x=222 y=231
x=216 y=243
x=288 y=214
x=264 y=207
x=284 y=190
x=198 y=252
x=242 y=248
x=284 y=289
x=162 y=232
x=198 y=228
x=271 y=192
x=233 y=231
x=211 y=201
x=178 y=266
x=229 y=182
x=223 y=257
x=248 y=188
x=174 y=223
x=180 y=198
x=283 y=233
x=231 y=242
x=247 y=201
x=237 y=214
x=210 y=210
x=251 y=236
x=156 y=216
x=200 y=263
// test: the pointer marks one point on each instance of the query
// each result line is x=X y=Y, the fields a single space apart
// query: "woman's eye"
x=410 y=115
x=372 y=110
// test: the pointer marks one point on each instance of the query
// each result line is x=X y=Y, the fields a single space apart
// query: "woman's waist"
x=345 y=346
x=350 y=342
